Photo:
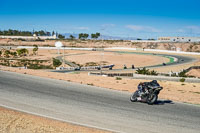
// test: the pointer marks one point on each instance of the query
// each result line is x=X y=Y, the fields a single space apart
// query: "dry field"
x=189 y=47
x=97 y=57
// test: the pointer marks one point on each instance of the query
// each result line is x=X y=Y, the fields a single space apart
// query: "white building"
x=179 y=39
x=34 y=37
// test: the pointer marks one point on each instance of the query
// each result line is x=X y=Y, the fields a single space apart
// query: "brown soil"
x=17 y=122
x=97 y=57
x=194 y=72
x=115 y=58
x=189 y=47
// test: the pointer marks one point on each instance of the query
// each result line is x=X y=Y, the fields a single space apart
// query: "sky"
x=125 y=18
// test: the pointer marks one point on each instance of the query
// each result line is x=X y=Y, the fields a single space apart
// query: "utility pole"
x=102 y=54
x=63 y=56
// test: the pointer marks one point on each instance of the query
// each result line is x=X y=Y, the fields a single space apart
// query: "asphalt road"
x=95 y=107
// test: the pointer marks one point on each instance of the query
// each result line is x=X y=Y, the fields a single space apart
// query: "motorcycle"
x=150 y=94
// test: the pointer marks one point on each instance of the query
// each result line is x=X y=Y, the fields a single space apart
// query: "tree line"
x=11 y=32
x=81 y=36
x=85 y=35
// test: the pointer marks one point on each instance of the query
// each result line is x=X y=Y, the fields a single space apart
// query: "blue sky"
x=127 y=18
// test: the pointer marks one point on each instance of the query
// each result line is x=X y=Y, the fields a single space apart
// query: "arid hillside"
x=188 y=47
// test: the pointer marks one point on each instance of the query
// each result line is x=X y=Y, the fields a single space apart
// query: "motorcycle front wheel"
x=133 y=97
x=152 y=98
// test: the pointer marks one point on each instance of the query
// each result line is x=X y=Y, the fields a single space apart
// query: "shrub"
x=142 y=71
x=182 y=74
x=22 y=51
x=182 y=80
x=56 y=62
x=6 y=53
x=145 y=71
x=153 y=72
x=35 y=49
x=37 y=66
x=118 y=78
x=13 y=53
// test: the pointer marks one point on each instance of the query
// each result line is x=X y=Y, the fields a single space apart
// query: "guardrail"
x=84 y=68
x=147 y=77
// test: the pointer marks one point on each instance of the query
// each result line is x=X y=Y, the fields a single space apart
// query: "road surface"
x=95 y=107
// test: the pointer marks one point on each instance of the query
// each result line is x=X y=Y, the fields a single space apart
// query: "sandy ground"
x=83 y=57
x=194 y=72
x=117 y=59
x=189 y=47
x=17 y=122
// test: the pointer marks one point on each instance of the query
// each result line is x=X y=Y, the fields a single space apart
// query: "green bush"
x=153 y=72
x=7 y=53
x=22 y=51
x=13 y=53
x=56 y=62
x=145 y=71
x=35 y=49
x=182 y=74
x=182 y=80
x=142 y=71
x=37 y=66
x=118 y=78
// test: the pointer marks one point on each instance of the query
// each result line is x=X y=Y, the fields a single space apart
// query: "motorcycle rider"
x=143 y=85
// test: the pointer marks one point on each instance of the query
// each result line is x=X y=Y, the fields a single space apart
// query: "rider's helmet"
x=140 y=85
x=154 y=81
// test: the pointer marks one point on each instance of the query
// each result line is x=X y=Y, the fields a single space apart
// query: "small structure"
x=58 y=45
x=179 y=39
x=34 y=37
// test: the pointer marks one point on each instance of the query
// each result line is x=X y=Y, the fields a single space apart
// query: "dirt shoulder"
x=17 y=122
x=188 y=47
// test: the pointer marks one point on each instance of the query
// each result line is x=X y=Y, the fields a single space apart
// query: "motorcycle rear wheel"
x=151 y=99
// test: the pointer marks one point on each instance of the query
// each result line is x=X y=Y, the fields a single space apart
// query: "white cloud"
x=82 y=28
x=190 y=30
x=193 y=29
x=142 y=28
x=181 y=30
x=108 y=25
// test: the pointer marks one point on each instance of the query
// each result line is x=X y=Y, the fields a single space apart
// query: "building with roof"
x=34 y=37
x=179 y=39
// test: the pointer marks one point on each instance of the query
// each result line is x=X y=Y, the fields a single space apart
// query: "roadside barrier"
x=147 y=77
